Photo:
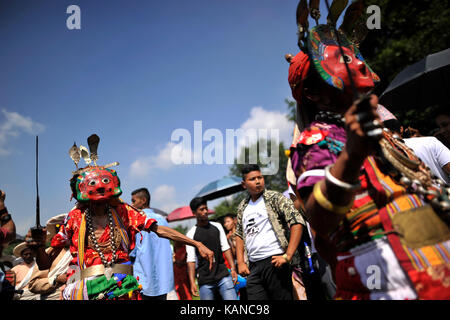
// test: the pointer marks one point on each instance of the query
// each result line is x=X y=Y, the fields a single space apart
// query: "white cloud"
x=171 y=155
x=264 y=125
x=274 y=124
x=264 y=119
x=140 y=167
x=24 y=225
x=164 y=198
x=184 y=152
x=13 y=126
x=163 y=160
x=143 y=166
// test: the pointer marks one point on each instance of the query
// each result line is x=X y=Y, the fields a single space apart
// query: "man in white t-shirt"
x=429 y=149
x=433 y=153
x=268 y=229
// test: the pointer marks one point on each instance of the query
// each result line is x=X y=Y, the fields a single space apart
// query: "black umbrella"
x=221 y=188
x=420 y=85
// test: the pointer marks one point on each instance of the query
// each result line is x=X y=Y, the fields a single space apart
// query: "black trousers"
x=266 y=282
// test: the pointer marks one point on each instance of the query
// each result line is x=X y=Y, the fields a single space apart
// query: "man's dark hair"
x=196 y=202
x=143 y=192
x=230 y=215
x=247 y=168
x=392 y=124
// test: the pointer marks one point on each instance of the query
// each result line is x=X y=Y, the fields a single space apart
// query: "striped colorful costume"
x=391 y=244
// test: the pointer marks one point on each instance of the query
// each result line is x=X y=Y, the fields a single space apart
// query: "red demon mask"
x=97 y=184
x=330 y=64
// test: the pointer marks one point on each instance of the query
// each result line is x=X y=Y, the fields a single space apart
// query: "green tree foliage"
x=292 y=109
x=273 y=182
x=181 y=229
x=8 y=250
x=421 y=119
x=228 y=205
x=410 y=30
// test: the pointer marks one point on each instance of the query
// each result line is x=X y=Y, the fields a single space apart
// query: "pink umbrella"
x=182 y=213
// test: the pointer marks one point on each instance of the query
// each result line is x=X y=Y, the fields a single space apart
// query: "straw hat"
x=19 y=248
x=53 y=225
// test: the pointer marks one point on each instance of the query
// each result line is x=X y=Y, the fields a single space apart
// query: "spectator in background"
x=434 y=154
x=7 y=234
x=229 y=223
x=212 y=235
x=269 y=229
x=152 y=254
x=442 y=120
x=7 y=226
x=50 y=283
x=181 y=272
x=24 y=271
x=429 y=149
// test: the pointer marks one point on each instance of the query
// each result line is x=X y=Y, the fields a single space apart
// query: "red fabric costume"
x=132 y=220
x=181 y=274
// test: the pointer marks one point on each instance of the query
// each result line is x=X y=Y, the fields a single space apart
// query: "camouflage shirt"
x=282 y=215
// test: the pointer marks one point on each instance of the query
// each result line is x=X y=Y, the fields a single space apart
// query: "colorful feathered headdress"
x=334 y=53
x=93 y=182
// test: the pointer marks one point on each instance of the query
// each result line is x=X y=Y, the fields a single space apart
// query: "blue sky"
x=135 y=72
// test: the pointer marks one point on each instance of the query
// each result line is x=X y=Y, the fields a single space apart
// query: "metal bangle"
x=327 y=204
x=339 y=183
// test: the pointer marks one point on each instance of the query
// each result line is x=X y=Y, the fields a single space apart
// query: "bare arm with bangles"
x=346 y=170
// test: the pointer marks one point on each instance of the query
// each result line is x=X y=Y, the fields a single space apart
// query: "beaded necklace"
x=93 y=238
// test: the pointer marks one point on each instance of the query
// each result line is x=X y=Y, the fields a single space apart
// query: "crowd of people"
x=366 y=215
x=265 y=250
